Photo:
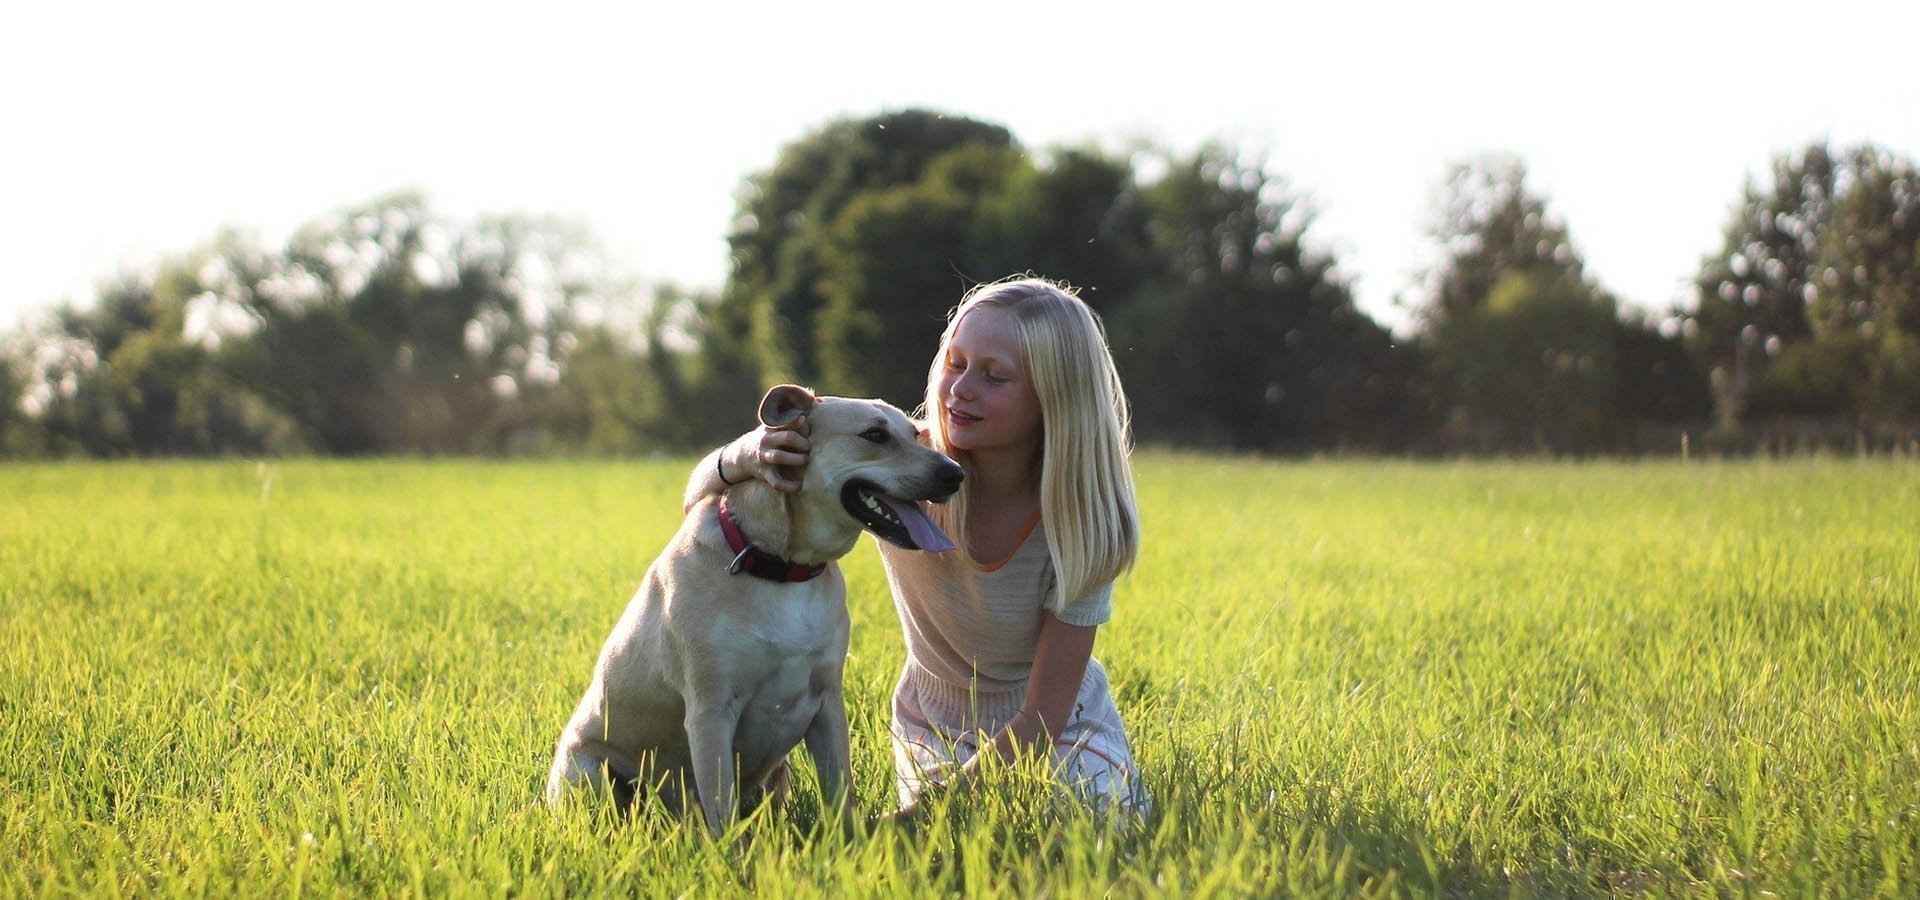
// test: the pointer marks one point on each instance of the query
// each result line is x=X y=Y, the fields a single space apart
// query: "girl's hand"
x=913 y=812
x=775 y=457
x=906 y=818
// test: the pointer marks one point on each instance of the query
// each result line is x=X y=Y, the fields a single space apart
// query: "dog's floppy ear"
x=785 y=407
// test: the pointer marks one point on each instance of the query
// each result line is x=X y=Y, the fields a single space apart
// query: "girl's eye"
x=995 y=379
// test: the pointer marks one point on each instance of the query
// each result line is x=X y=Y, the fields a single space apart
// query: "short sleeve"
x=1094 y=607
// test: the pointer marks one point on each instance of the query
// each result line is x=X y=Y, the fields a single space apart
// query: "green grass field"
x=1341 y=678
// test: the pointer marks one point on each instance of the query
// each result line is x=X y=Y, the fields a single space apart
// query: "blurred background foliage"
x=391 y=329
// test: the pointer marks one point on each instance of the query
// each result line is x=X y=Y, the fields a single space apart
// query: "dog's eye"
x=877 y=435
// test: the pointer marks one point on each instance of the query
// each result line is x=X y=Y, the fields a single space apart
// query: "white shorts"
x=938 y=727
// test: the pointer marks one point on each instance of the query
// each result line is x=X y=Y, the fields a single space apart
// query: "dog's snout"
x=949 y=476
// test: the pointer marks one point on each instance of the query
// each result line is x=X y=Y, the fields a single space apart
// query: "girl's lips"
x=959 y=417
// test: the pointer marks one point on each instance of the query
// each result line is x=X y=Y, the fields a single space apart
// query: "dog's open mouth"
x=901 y=523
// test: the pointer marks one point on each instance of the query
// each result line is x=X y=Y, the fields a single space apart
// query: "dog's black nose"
x=950 y=476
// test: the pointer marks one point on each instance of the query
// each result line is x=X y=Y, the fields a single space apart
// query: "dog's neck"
x=804 y=528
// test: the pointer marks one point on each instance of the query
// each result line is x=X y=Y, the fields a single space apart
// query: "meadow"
x=1342 y=679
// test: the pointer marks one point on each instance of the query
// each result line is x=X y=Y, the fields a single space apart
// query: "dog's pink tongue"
x=925 y=533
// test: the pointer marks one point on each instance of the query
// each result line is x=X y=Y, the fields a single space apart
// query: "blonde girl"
x=1000 y=633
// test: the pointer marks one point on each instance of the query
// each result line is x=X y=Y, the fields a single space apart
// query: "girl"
x=1000 y=633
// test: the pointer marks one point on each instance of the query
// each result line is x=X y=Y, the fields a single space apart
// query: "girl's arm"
x=706 y=477
x=1059 y=663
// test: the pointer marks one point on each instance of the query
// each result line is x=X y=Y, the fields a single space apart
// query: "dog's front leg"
x=832 y=759
x=710 y=727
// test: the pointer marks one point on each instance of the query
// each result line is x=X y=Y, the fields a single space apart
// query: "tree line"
x=391 y=329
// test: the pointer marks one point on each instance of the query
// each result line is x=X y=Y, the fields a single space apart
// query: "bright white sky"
x=139 y=129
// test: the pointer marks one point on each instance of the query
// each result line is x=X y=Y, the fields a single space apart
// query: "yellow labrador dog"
x=731 y=652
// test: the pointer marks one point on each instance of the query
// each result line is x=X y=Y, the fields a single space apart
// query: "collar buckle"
x=757 y=562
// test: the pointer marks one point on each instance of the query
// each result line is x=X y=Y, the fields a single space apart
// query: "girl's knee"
x=1102 y=783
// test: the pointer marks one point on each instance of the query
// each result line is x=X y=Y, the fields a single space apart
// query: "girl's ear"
x=785 y=407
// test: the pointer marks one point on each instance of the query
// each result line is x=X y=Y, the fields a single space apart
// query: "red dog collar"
x=757 y=562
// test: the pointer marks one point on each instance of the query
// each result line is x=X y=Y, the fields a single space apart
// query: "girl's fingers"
x=778 y=479
x=763 y=457
x=783 y=448
x=786 y=440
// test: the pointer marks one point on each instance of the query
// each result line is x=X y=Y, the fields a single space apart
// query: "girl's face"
x=986 y=395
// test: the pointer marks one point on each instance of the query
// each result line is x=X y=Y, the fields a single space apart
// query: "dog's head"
x=865 y=456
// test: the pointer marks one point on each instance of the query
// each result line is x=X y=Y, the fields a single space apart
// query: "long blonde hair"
x=1086 y=483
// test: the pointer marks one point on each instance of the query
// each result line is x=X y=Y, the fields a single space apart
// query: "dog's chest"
x=796 y=655
x=790 y=647
x=776 y=717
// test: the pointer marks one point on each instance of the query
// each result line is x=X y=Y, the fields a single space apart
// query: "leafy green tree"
x=127 y=306
x=380 y=329
x=78 y=415
x=1208 y=255
x=894 y=262
x=387 y=329
x=168 y=392
x=722 y=372
x=884 y=254
x=1869 y=266
x=1075 y=215
x=774 y=297
x=126 y=376
x=81 y=411
x=1811 y=307
x=1533 y=366
x=171 y=388
x=604 y=403
x=1531 y=354
x=1490 y=224
x=1247 y=337
x=1655 y=378
x=1869 y=259
x=624 y=390
x=1815 y=379
x=1752 y=294
x=17 y=437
